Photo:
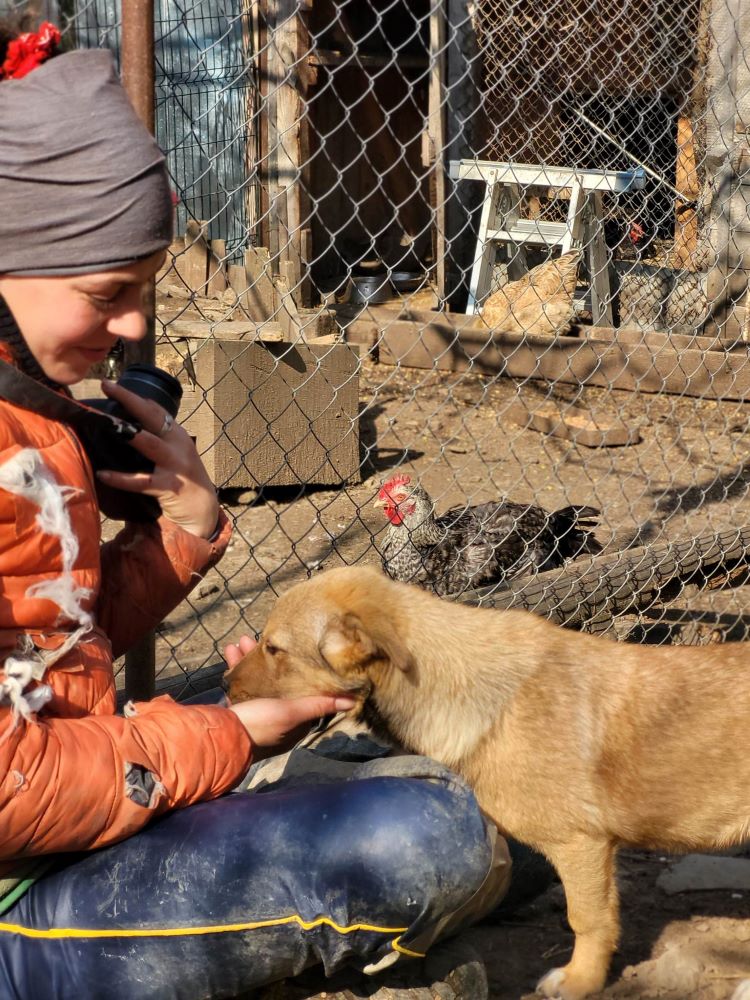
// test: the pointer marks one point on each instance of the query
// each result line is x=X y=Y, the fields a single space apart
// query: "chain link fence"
x=497 y=247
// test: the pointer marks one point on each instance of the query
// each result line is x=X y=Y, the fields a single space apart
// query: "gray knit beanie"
x=83 y=185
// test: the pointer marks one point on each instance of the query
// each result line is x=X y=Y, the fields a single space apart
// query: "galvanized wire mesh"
x=316 y=148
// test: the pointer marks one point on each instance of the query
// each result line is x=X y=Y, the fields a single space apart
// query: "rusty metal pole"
x=137 y=65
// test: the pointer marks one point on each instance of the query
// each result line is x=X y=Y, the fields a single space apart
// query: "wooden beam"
x=658 y=339
x=456 y=343
x=268 y=59
x=250 y=332
x=253 y=153
x=384 y=315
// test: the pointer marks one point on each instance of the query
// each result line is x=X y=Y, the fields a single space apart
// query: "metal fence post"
x=138 y=79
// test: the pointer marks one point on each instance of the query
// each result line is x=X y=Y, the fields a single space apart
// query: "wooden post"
x=195 y=257
x=217 y=274
x=598 y=261
x=306 y=76
x=290 y=46
x=463 y=140
x=259 y=300
x=137 y=53
x=269 y=138
x=437 y=135
x=685 y=249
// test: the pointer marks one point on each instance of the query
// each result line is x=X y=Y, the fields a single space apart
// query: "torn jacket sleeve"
x=79 y=784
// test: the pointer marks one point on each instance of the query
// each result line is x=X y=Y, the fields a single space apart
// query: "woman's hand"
x=179 y=481
x=276 y=724
x=234 y=652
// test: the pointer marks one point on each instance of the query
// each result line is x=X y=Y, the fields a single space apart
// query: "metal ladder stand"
x=505 y=184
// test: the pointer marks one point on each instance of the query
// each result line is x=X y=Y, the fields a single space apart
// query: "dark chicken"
x=474 y=546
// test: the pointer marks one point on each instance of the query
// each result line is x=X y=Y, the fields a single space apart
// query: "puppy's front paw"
x=551 y=985
x=562 y=984
x=743 y=991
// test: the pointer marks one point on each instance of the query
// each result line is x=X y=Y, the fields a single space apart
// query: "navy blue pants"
x=229 y=895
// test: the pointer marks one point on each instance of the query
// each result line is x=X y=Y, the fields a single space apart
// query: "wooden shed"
x=364 y=106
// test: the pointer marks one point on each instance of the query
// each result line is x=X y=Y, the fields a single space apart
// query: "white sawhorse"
x=505 y=183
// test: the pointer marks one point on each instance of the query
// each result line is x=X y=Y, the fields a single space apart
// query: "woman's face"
x=72 y=322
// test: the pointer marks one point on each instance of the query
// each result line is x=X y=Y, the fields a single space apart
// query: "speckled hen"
x=470 y=547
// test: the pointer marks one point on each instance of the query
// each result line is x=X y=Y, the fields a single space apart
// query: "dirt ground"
x=690 y=946
x=688 y=475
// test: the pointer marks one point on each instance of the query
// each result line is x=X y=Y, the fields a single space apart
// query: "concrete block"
x=273 y=414
x=700 y=872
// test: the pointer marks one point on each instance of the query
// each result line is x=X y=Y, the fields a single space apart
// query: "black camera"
x=106 y=441
x=148 y=382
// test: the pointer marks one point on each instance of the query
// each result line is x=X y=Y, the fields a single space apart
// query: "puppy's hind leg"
x=587 y=870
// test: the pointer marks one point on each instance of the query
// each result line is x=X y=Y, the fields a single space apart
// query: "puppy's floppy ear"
x=347 y=645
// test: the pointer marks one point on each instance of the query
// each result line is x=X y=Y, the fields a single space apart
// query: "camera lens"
x=150 y=382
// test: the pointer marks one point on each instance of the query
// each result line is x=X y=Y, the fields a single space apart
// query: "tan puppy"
x=574 y=745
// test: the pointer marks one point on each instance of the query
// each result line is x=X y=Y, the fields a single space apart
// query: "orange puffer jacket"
x=74 y=776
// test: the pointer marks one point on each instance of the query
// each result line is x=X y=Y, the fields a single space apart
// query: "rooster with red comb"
x=470 y=547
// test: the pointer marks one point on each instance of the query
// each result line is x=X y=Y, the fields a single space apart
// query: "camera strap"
x=22 y=390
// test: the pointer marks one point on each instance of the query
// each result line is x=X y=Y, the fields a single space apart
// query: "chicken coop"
x=496 y=248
